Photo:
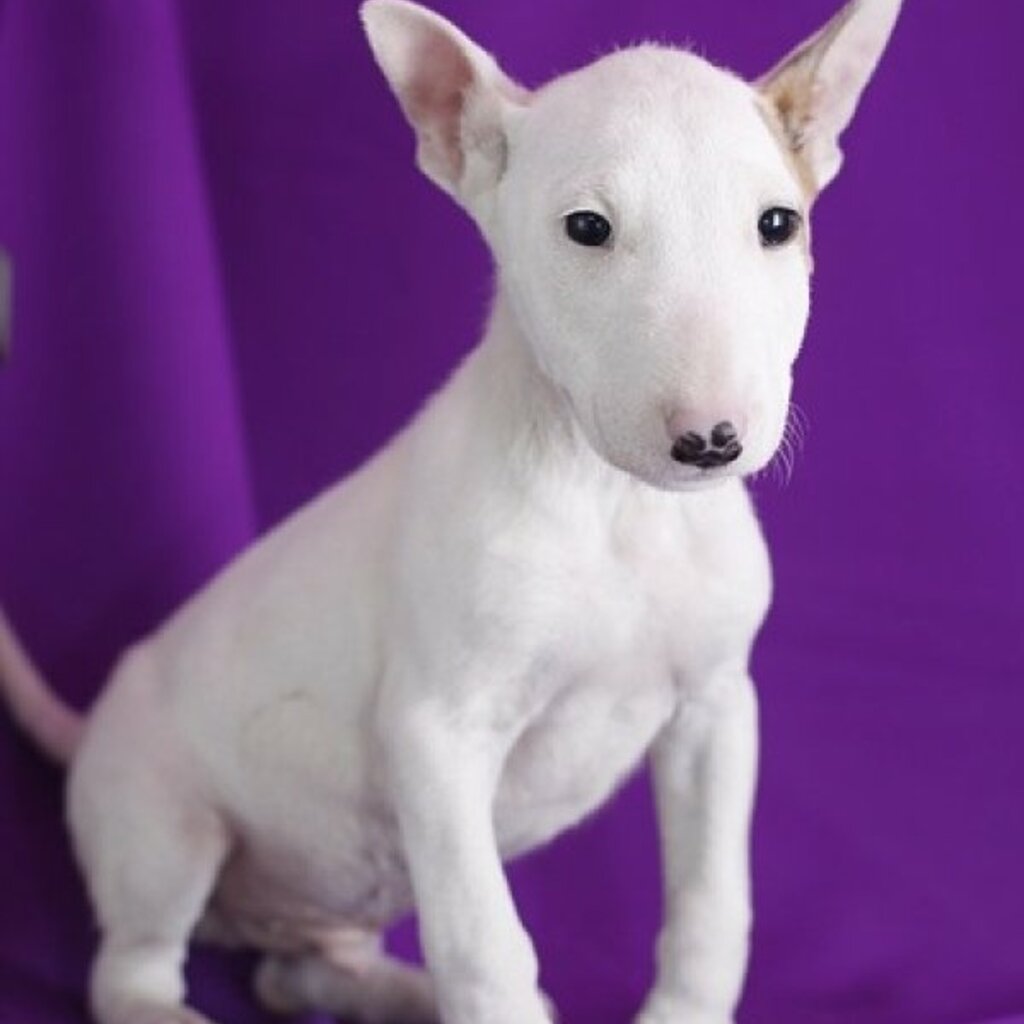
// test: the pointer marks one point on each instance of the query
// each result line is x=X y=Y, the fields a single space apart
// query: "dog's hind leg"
x=147 y=916
x=351 y=977
x=151 y=848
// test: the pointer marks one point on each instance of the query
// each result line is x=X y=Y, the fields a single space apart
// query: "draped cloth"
x=231 y=286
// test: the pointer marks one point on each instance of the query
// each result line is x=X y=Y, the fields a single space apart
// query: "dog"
x=461 y=650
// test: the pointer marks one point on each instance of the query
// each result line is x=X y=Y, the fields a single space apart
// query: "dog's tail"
x=49 y=721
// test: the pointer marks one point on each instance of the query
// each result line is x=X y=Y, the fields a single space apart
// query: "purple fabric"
x=232 y=285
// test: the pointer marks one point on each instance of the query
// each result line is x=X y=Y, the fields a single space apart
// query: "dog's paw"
x=682 y=1015
x=146 y=1014
x=384 y=989
x=549 y=1005
x=274 y=987
x=185 y=1017
x=665 y=1010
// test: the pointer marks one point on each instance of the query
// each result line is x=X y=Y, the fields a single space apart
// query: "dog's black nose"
x=692 y=449
x=723 y=434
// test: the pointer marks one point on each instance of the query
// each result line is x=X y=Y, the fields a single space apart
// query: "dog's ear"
x=815 y=89
x=453 y=93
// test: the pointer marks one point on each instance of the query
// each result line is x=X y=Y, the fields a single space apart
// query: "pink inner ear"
x=434 y=98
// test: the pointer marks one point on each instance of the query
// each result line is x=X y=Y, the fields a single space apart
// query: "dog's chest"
x=648 y=609
x=567 y=762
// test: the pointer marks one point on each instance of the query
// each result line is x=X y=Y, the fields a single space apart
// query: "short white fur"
x=464 y=647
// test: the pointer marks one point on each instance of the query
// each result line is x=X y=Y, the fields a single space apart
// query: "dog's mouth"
x=707 y=464
x=700 y=478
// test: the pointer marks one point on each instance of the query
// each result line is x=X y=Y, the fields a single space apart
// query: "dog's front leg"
x=704 y=765
x=443 y=774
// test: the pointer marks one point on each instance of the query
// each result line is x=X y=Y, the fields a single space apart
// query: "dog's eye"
x=585 y=227
x=777 y=225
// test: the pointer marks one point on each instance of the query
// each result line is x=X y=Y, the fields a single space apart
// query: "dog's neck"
x=525 y=424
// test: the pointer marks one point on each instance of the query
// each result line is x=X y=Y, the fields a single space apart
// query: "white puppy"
x=464 y=647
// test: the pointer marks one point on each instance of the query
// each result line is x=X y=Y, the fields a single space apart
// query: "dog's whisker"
x=799 y=421
x=794 y=435
x=783 y=463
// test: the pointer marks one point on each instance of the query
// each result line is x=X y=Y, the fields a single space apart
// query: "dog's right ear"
x=814 y=91
x=452 y=92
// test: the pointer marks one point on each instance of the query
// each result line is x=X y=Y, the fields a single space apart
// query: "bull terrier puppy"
x=461 y=649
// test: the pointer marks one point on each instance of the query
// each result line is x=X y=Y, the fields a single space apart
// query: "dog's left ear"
x=815 y=89
x=452 y=92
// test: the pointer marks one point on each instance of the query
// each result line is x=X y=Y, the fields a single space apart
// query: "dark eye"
x=585 y=227
x=777 y=225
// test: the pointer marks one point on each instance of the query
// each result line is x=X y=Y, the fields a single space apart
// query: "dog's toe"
x=144 y=1014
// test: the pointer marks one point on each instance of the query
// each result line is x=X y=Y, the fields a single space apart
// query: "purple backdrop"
x=231 y=286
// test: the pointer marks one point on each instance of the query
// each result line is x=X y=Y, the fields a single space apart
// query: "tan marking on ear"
x=774 y=116
x=800 y=168
x=815 y=88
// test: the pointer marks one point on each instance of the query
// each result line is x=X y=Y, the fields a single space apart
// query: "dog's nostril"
x=723 y=434
x=688 y=447
x=731 y=452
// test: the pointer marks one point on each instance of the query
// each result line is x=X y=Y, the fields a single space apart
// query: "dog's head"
x=649 y=215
